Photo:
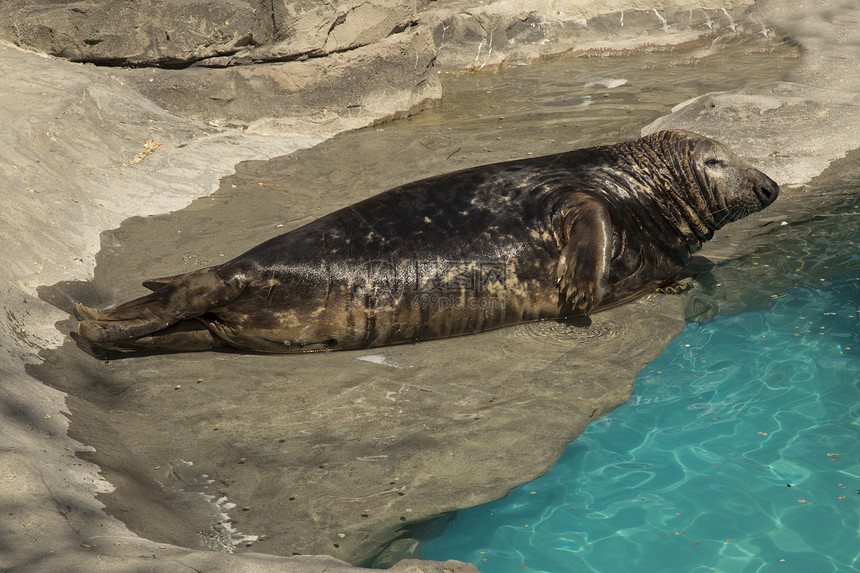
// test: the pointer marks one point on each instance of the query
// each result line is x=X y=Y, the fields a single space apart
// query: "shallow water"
x=311 y=444
x=739 y=450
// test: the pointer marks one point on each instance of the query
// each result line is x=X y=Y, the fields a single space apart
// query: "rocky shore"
x=119 y=109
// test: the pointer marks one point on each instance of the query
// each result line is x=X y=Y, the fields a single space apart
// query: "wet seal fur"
x=546 y=237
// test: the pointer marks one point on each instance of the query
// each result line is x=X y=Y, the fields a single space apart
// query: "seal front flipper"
x=585 y=231
x=187 y=297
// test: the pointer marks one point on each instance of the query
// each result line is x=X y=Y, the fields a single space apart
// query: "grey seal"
x=547 y=237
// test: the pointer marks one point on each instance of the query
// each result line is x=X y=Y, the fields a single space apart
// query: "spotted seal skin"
x=554 y=236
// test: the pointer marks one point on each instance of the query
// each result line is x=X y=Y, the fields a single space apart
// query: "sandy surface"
x=81 y=152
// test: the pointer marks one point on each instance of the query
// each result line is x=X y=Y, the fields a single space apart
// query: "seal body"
x=546 y=237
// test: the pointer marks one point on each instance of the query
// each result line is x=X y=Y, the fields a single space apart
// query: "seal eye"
x=713 y=162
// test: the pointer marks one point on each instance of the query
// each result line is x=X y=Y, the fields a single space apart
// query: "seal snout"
x=766 y=189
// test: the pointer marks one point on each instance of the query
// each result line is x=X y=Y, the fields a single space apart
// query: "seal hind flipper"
x=86 y=313
x=582 y=273
x=155 y=284
x=184 y=336
x=101 y=331
x=187 y=297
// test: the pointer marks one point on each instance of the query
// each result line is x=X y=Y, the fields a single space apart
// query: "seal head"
x=660 y=197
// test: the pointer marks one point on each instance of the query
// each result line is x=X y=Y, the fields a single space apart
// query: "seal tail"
x=186 y=297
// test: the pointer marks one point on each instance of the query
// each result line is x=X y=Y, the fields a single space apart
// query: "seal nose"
x=766 y=189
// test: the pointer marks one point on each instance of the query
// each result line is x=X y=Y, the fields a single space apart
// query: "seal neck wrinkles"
x=670 y=164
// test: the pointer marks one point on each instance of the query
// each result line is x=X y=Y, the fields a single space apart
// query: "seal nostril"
x=767 y=192
x=765 y=188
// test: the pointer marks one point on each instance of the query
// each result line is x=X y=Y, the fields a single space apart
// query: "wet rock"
x=794 y=129
x=397 y=551
x=349 y=450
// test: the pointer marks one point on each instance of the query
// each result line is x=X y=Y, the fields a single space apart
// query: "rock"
x=350 y=63
x=127 y=555
x=495 y=34
x=397 y=552
x=309 y=28
x=179 y=33
x=172 y=33
x=392 y=78
x=239 y=61
x=811 y=118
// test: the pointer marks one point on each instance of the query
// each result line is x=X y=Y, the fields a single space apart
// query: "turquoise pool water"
x=738 y=452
